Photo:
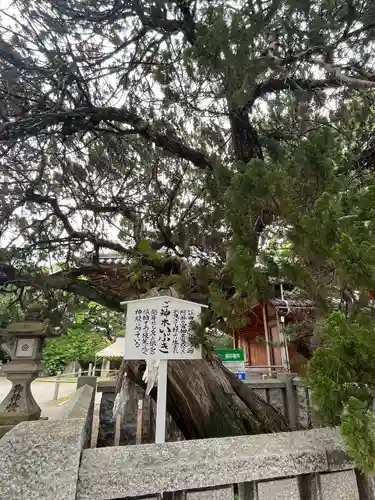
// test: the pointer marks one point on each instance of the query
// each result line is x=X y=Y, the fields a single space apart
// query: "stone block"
x=303 y=408
x=281 y=489
x=277 y=400
x=339 y=486
x=4 y=429
x=86 y=380
x=262 y=393
x=143 y=470
x=212 y=494
x=19 y=404
x=269 y=383
x=106 y=386
x=40 y=460
x=337 y=455
x=79 y=404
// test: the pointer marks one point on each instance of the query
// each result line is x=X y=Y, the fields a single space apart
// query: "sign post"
x=161 y=403
x=160 y=328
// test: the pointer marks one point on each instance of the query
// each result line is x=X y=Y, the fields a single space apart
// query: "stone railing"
x=301 y=465
x=290 y=396
x=286 y=393
x=47 y=460
x=40 y=460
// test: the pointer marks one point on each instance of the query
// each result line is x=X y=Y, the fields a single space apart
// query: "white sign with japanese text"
x=161 y=328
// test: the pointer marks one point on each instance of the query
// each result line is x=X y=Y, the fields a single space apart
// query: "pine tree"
x=215 y=146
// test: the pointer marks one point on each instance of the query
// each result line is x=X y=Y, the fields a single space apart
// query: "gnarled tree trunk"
x=206 y=400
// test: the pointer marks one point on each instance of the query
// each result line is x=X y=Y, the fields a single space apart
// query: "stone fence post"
x=291 y=400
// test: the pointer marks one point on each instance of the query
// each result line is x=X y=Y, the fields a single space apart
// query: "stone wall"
x=301 y=465
x=47 y=460
x=290 y=396
x=40 y=460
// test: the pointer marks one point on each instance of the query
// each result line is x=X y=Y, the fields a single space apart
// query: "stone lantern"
x=26 y=352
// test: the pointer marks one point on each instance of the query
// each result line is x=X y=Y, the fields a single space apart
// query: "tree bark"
x=205 y=400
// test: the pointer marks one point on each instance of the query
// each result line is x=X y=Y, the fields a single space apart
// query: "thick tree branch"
x=339 y=79
x=64 y=218
x=109 y=286
x=347 y=80
x=87 y=118
x=293 y=84
x=153 y=17
x=118 y=207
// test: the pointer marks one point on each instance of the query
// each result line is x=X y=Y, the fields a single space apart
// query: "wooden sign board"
x=161 y=328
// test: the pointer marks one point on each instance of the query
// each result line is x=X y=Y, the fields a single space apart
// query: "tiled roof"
x=292 y=304
x=301 y=303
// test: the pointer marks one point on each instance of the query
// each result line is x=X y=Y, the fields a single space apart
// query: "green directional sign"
x=231 y=355
x=234 y=360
